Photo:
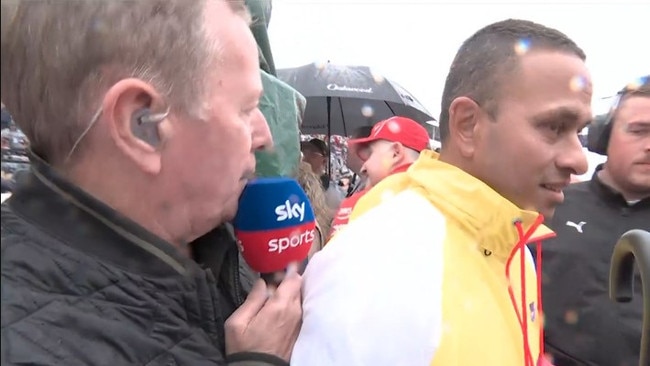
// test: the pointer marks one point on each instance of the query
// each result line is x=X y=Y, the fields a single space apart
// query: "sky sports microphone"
x=274 y=224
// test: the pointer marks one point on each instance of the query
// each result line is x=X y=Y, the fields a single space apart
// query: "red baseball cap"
x=397 y=129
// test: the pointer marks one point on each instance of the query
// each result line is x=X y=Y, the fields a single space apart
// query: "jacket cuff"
x=254 y=358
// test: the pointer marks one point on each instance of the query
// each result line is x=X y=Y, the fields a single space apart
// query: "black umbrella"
x=343 y=98
x=633 y=247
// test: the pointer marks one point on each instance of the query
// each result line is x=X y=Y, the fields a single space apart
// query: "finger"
x=292 y=268
x=289 y=288
x=279 y=276
x=254 y=302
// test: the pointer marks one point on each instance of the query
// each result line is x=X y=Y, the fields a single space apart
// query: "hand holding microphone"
x=275 y=227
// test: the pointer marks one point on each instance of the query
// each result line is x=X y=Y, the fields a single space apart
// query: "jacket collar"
x=473 y=205
x=402 y=168
x=64 y=211
x=611 y=196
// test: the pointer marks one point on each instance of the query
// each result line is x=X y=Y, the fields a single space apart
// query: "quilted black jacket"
x=83 y=285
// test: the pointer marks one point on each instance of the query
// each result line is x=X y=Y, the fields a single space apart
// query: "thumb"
x=254 y=302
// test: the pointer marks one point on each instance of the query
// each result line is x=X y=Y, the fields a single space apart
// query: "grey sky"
x=414 y=42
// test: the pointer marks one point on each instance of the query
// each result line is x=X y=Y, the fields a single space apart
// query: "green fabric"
x=283 y=108
x=261 y=15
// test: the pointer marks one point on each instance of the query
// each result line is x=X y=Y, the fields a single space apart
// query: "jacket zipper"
x=239 y=299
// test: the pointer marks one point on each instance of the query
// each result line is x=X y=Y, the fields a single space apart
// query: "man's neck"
x=606 y=178
x=402 y=166
x=127 y=201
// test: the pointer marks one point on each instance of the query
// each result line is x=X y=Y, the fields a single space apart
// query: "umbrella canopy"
x=343 y=98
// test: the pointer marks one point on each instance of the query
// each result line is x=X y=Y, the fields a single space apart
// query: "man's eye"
x=555 y=127
x=637 y=129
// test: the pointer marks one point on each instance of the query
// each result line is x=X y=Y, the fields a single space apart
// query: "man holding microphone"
x=143 y=121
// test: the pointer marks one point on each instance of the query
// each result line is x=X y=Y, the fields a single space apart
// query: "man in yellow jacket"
x=433 y=268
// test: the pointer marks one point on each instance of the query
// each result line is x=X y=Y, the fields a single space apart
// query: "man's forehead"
x=549 y=85
x=634 y=107
x=546 y=69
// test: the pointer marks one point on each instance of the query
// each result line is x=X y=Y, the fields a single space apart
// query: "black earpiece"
x=600 y=129
x=599 y=133
x=144 y=125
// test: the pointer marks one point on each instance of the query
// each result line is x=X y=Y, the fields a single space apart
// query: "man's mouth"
x=556 y=187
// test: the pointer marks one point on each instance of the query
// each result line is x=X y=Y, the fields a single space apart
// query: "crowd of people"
x=117 y=243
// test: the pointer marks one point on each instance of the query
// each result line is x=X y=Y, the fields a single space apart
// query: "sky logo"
x=288 y=211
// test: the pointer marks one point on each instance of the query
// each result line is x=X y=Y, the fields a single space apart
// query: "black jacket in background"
x=583 y=326
x=83 y=285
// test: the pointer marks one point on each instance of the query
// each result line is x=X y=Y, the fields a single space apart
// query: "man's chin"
x=548 y=213
x=229 y=213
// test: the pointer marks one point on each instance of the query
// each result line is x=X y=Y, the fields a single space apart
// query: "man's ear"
x=398 y=151
x=123 y=106
x=464 y=118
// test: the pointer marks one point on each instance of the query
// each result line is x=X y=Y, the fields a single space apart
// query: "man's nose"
x=573 y=157
x=261 y=133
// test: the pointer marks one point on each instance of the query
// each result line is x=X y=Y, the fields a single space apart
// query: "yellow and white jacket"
x=432 y=270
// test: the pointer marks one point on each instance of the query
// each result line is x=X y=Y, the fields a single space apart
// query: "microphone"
x=274 y=224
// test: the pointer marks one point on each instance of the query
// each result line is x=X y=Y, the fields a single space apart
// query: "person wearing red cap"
x=393 y=145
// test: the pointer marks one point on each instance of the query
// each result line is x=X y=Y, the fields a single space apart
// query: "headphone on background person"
x=599 y=132
x=144 y=125
x=600 y=129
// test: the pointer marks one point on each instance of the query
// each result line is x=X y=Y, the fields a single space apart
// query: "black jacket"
x=583 y=326
x=83 y=285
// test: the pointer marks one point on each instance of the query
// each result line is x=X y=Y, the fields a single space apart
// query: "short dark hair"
x=485 y=59
x=638 y=88
x=315 y=145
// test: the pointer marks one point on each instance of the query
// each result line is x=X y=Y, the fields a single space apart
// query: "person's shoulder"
x=44 y=268
x=407 y=212
x=58 y=301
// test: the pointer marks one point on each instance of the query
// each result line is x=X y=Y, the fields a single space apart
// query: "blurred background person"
x=311 y=183
x=354 y=163
x=316 y=153
x=391 y=147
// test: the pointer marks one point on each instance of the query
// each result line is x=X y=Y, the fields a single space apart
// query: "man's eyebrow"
x=560 y=113
x=636 y=123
